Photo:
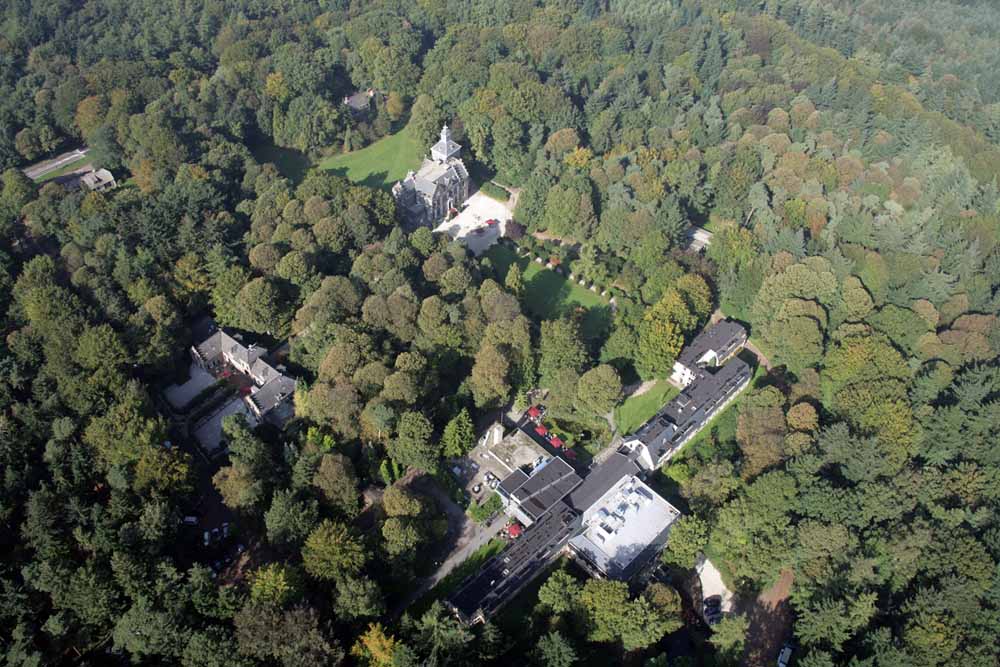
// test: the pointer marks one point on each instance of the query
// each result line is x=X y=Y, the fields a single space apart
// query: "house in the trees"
x=272 y=390
x=360 y=102
x=711 y=348
x=441 y=184
x=95 y=180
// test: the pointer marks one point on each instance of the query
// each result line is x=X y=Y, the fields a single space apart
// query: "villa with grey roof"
x=441 y=184
x=272 y=388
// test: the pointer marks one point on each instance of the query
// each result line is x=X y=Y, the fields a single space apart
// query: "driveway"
x=465 y=536
x=209 y=431
x=470 y=226
x=712 y=584
x=36 y=171
x=770 y=623
x=181 y=395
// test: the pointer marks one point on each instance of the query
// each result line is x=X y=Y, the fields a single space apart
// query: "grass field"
x=548 y=295
x=380 y=164
x=637 y=410
x=65 y=169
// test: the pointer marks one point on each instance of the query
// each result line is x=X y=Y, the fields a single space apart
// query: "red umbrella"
x=515 y=530
x=541 y=430
x=556 y=442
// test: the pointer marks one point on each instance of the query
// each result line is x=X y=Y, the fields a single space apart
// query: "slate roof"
x=547 y=485
x=600 y=479
x=723 y=338
x=271 y=393
x=690 y=409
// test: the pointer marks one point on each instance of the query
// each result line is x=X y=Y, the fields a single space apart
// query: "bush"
x=480 y=512
x=494 y=191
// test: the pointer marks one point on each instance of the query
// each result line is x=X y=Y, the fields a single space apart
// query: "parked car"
x=714 y=618
x=208 y=538
x=190 y=520
x=713 y=602
x=785 y=655
x=225 y=529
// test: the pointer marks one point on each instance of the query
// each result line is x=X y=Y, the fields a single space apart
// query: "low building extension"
x=440 y=185
x=528 y=497
x=272 y=391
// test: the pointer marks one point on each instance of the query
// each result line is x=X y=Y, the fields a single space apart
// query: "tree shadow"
x=291 y=163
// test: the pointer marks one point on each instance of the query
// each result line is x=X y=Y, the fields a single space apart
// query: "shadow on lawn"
x=548 y=296
x=376 y=179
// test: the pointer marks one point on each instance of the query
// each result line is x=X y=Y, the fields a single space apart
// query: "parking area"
x=180 y=395
x=209 y=431
x=495 y=456
x=481 y=223
x=713 y=589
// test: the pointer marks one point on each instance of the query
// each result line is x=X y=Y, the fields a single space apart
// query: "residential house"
x=441 y=184
x=271 y=389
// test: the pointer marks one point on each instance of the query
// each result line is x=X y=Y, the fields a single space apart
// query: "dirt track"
x=770 y=623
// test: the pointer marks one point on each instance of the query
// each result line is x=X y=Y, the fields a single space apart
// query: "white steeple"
x=445 y=148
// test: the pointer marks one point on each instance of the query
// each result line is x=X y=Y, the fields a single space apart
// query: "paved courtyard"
x=181 y=395
x=470 y=226
x=209 y=431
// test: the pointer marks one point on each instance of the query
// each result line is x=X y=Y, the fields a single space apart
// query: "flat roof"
x=547 y=485
x=517 y=450
x=629 y=520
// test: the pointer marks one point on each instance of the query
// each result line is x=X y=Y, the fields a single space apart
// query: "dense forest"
x=845 y=154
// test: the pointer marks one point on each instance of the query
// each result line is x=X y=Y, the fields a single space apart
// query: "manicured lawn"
x=380 y=164
x=65 y=169
x=637 y=410
x=548 y=295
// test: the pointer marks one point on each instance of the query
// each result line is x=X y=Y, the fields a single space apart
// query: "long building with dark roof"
x=678 y=421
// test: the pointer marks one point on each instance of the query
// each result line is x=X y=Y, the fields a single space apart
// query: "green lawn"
x=380 y=164
x=548 y=295
x=637 y=410
x=65 y=169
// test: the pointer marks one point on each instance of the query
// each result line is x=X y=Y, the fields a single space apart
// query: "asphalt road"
x=39 y=170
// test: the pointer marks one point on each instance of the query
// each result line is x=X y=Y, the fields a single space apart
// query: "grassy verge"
x=637 y=410
x=548 y=295
x=451 y=582
x=65 y=169
x=381 y=164
x=494 y=191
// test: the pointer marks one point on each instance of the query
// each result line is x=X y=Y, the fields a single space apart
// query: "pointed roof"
x=445 y=148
